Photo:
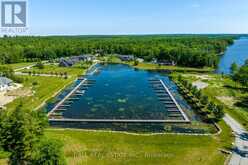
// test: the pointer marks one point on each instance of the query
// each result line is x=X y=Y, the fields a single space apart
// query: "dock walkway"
x=66 y=97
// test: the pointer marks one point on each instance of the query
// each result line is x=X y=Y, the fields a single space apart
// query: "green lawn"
x=43 y=91
x=82 y=147
x=150 y=66
x=46 y=87
x=89 y=147
x=19 y=65
x=225 y=91
x=71 y=71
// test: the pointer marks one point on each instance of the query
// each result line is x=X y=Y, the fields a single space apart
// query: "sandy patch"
x=202 y=77
x=227 y=100
x=200 y=84
x=14 y=92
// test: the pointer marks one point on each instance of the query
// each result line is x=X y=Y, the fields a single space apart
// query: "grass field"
x=44 y=88
x=43 y=91
x=225 y=91
x=71 y=71
x=19 y=65
x=89 y=147
x=150 y=66
x=83 y=147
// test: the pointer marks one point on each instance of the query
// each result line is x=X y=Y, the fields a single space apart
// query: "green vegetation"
x=44 y=88
x=241 y=74
x=73 y=72
x=209 y=111
x=222 y=90
x=149 y=66
x=8 y=72
x=21 y=134
x=153 y=66
x=82 y=147
x=192 y=51
x=18 y=65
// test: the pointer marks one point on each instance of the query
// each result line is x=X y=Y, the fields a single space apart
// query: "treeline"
x=9 y=73
x=240 y=74
x=194 y=51
x=208 y=110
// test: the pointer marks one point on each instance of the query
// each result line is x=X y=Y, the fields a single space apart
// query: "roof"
x=5 y=81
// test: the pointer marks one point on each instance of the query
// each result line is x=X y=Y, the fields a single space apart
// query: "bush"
x=35 y=83
x=22 y=135
x=136 y=62
x=40 y=65
x=200 y=103
x=48 y=152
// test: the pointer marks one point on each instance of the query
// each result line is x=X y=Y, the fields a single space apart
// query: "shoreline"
x=64 y=87
x=136 y=134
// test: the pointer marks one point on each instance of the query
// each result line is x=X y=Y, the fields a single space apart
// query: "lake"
x=238 y=53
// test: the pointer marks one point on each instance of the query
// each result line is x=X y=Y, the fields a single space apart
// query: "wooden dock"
x=185 y=117
x=66 y=97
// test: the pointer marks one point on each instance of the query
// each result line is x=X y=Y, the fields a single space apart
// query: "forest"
x=191 y=50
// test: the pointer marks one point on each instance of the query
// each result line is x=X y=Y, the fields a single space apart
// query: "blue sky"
x=73 y=17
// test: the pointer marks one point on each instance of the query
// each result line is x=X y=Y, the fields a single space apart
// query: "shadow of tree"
x=243 y=89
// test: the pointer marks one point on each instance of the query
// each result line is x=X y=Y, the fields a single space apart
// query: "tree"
x=179 y=78
x=19 y=131
x=49 y=152
x=234 y=68
x=218 y=112
x=194 y=90
x=242 y=75
x=135 y=62
x=40 y=65
x=22 y=135
x=204 y=100
x=194 y=51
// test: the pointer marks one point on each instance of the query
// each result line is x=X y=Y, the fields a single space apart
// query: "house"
x=140 y=60
x=65 y=62
x=164 y=62
x=5 y=83
x=88 y=57
x=70 y=61
x=126 y=57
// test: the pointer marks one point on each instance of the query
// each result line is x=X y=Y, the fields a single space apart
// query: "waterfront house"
x=126 y=57
x=164 y=62
x=65 y=62
x=70 y=61
x=140 y=60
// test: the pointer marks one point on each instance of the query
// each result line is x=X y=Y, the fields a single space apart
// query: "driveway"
x=240 y=151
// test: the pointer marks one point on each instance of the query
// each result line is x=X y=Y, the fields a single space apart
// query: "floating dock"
x=66 y=98
x=175 y=112
x=165 y=96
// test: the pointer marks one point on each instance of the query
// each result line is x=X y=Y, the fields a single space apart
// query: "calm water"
x=120 y=92
x=238 y=53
